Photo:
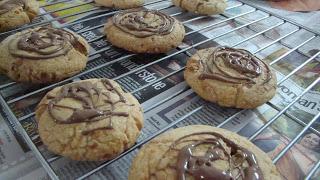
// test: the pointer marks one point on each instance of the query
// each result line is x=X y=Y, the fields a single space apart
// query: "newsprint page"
x=18 y=162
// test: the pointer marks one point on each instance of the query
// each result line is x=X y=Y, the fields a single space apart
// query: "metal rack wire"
x=47 y=163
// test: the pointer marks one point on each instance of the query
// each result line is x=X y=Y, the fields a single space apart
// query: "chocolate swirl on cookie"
x=233 y=66
x=89 y=95
x=241 y=162
x=143 y=23
x=7 y=5
x=43 y=43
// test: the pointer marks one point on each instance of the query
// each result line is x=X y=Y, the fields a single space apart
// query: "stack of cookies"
x=94 y=119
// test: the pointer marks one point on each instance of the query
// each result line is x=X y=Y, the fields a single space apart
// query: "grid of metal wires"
x=307 y=126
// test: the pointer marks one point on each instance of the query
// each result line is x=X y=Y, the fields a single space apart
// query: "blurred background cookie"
x=89 y=120
x=15 y=13
x=144 y=31
x=120 y=4
x=205 y=7
x=201 y=152
x=43 y=55
x=230 y=77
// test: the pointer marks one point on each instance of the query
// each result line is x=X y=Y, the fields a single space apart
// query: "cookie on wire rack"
x=15 y=13
x=89 y=120
x=230 y=77
x=203 y=7
x=202 y=152
x=144 y=31
x=43 y=55
x=120 y=4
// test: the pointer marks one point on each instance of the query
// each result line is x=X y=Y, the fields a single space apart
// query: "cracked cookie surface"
x=89 y=120
x=15 y=13
x=201 y=152
x=43 y=55
x=230 y=77
x=204 y=7
x=144 y=31
x=120 y=4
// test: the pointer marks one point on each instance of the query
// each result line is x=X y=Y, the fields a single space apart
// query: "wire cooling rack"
x=47 y=162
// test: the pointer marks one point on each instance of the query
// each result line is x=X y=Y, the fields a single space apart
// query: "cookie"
x=120 y=4
x=15 y=13
x=43 y=55
x=230 y=77
x=204 y=7
x=144 y=31
x=89 y=120
x=201 y=152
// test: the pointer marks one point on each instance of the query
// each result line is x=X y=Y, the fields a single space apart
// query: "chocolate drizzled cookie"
x=120 y=4
x=230 y=77
x=7 y=5
x=205 y=7
x=144 y=31
x=14 y=13
x=202 y=152
x=241 y=162
x=234 y=66
x=43 y=55
x=91 y=110
x=138 y=23
x=44 y=43
x=89 y=120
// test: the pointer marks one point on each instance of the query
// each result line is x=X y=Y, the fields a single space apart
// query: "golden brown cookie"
x=15 y=13
x=43 y=55
x=201 y=152
x=89 y=120
x=230 y=77
x=120 y=4
x=144 y=31
x=205 y=7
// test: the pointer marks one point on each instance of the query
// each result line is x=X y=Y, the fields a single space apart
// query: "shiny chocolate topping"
x=233 y=66
x=242 y=163
x=89 y=95
x=7 y=5
x=143 y=23
x=43 y=43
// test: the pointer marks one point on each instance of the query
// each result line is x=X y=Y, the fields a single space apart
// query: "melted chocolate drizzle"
x=135 y=22
x=11 y=4
x=244 y=66
x=201 y=167
x=90 y=112
x=43 y=43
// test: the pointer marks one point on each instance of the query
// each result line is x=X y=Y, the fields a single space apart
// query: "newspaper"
x=17 y=161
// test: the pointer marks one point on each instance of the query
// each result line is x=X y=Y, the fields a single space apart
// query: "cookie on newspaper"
x=43 y=55
x=144 y=31
x=89 y=120
x=230 y=77
x=15 y=13
x=201 y=152
x=205 y=7
x=120 y=4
